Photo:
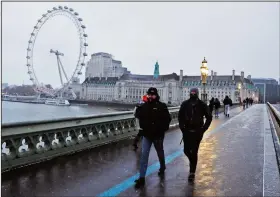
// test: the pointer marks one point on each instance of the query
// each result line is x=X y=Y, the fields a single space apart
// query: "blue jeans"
x=146 y=147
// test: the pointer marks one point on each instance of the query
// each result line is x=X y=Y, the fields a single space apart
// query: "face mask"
x=193 y=96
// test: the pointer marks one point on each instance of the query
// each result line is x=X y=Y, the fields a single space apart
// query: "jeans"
x=146 y=147
x=191 y=145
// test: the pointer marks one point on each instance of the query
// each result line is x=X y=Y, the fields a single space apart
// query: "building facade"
x=103 y=65
x=269 y=89
x=172 y=88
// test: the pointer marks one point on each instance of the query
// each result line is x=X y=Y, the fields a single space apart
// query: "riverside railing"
x=275 y=130
x=31 y=142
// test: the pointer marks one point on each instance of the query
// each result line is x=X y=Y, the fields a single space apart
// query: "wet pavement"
x=231 y=163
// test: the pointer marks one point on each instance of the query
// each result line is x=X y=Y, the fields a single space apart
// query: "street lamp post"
x=204 y=74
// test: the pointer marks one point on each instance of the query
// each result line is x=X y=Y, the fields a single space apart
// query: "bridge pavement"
x=236 y=158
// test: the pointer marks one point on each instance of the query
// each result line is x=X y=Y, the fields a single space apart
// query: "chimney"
x=233 y=75
x=181 y=75
x=249 y=77
x=212 y=75
x=242 y=75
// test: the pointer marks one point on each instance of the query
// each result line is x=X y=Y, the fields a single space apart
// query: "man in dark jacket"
x=191 y=122
x=154 y=119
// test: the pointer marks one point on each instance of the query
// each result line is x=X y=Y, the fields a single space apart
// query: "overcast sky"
x=240 y=36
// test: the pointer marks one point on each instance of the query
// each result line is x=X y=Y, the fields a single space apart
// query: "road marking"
x=117 y=189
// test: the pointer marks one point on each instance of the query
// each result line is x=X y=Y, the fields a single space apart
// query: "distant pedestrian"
x=244 y=104
x=211 y=105
x=154 y=119
x=139 y=134
x=217 y=106
x=191 y=122
x=227 y=103
x=247 y=102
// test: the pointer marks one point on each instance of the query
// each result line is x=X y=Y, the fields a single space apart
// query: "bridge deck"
x=236 y=158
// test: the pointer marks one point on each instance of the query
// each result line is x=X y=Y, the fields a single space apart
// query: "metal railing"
x=31 y=142
x=275 y=130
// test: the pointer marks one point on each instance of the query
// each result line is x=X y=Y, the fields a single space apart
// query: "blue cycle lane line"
x=126 y=184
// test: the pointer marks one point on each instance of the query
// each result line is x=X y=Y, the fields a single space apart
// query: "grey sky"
x=240 y=36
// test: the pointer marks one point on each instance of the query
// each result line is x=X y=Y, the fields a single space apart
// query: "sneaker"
x=139 y=182
x=191 y=177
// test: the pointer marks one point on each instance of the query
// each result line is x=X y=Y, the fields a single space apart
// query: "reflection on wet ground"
x=230 y=163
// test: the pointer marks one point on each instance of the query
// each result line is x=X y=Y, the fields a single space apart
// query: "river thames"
x=22 y=112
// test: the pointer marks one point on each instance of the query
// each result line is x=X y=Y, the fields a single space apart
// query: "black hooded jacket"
x=227 y=101
x=191 y=116
x=154 y=119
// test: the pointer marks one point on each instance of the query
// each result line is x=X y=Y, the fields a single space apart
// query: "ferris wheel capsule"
x=85 y=44
x=83 y=64
x=79 y=73
x=84 y=54
x=76 y=13
x=49 y=11
x=85 y=35
x=83 y=26
x=65 y=7
x=80 y=19
x=71 y=10
x=60 y=7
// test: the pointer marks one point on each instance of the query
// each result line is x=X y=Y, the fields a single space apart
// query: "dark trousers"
x=146 y=147
x=191 y=145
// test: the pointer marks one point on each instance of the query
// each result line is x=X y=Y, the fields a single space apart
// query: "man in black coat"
x=191 y=122
x=154 y=119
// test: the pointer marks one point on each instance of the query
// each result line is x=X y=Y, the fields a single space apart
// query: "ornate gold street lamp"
x=204 y=74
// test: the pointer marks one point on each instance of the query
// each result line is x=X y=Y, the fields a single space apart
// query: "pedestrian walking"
x=244 y=104
x=217 y=106
x=211 y=105
x=191 y=122
x=247 y=102
x=139 y=134
x=227 y=103
x=154 y=119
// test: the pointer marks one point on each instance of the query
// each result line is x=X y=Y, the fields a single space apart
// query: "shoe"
x=161 y=172
x=139 y=182
x=191 y=177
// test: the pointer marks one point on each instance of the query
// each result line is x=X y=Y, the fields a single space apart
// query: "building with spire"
x=172 y=88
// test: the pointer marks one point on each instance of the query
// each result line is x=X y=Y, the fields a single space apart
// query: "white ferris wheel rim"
x=72 y=15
